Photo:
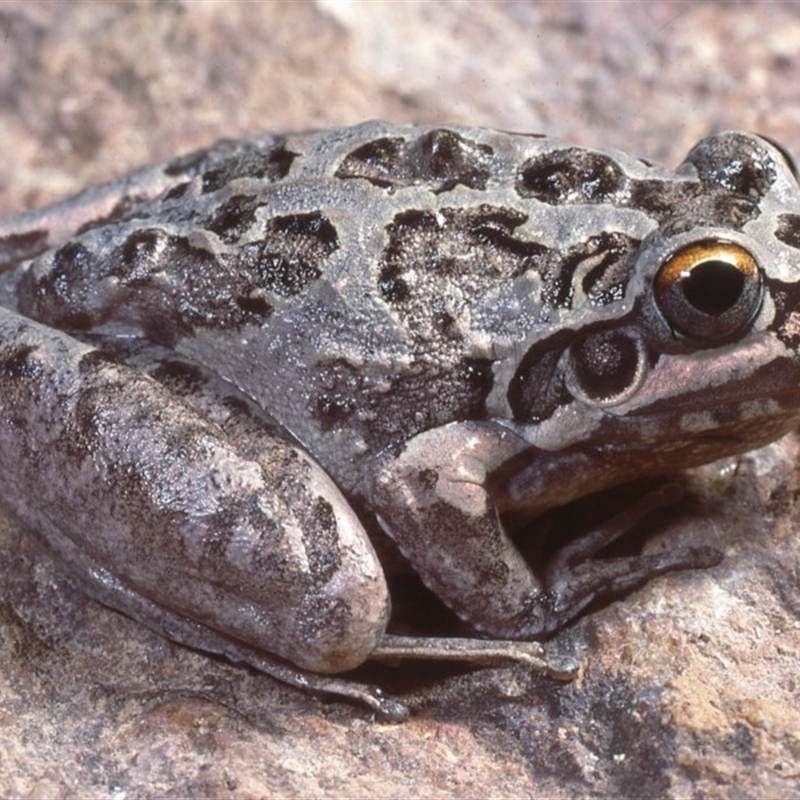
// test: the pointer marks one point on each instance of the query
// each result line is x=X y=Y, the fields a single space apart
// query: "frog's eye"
x=709 y=290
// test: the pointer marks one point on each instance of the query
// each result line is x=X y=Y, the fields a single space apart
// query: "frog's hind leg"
x=179 y=503
x=110 y=591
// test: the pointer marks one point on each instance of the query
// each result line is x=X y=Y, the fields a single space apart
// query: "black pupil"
x=713 y=287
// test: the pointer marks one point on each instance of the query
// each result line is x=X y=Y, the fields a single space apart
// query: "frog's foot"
x=477 y=651
x=573 y=580
x=111 y=592
x=571 y=590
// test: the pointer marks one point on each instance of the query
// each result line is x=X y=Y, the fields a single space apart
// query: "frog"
x=223 y=376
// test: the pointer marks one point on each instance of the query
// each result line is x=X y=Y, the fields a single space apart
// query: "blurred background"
x=93 y=89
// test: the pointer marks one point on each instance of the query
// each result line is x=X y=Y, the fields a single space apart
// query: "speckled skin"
x=423 y=327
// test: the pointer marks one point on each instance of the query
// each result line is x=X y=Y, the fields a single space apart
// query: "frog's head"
x=701 y=356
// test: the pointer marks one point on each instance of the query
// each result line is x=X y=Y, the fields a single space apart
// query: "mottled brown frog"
x=217 y=374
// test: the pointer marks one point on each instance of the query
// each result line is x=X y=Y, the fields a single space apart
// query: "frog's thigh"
x=430 y=497
x=311 y=569
x=245 y=535
x=282 y=566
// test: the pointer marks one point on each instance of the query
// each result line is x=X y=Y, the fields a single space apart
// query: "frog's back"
x=366 y=283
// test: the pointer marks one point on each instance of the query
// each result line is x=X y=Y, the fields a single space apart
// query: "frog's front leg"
x=436 y=497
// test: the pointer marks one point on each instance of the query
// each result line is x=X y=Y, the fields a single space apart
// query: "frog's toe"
x=571 y=590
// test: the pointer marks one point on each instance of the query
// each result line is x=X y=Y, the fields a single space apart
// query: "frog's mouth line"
x=621 y=449
x=694 y=434
x=771 y=390
x=667 y=435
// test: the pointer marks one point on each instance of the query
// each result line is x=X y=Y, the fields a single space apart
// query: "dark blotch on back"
x=445 y=156
x=54 y=295
x=229 y=159
x=139 y=252
x=176 y=192
x=230 y=220
x=18 y=247
x=570 y=175
x=440 y=159
x=195 y=293
x=379 y=161
x=251 y=162
x=289 y=257
x=308 y=225
x=455 y=245
x=166 y=285
x=416 y=399
x=21 y=365
x=73 y=260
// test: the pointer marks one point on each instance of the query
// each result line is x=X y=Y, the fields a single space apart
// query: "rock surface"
x=689 y=687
